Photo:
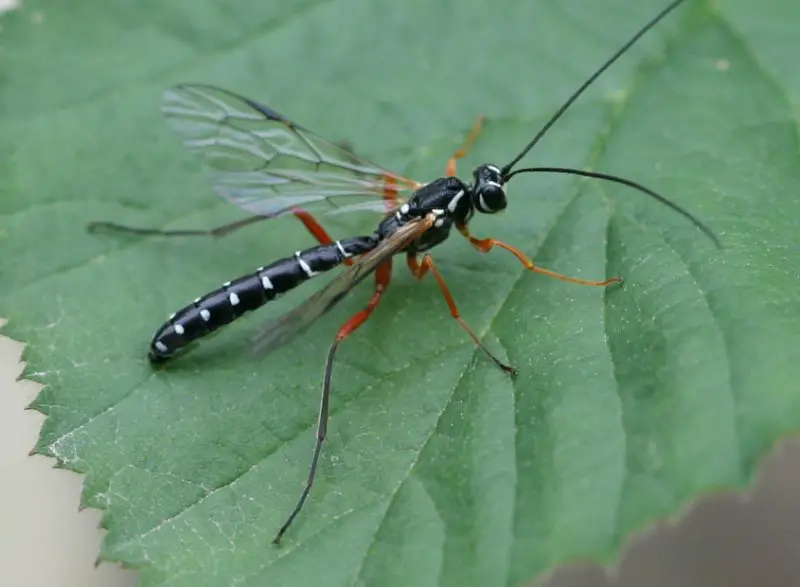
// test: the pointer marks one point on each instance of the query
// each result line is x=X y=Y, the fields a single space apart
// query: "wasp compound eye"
x=490 y=198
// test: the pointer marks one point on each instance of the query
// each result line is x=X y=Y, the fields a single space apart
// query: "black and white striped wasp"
x=270 y=166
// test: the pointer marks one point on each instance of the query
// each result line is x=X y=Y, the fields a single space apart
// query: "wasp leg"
x=218 y=231
x=312 y=226
x=390 y=193
x=419 y=270
x=382 y=277
x=450 y=170
x=484 y=245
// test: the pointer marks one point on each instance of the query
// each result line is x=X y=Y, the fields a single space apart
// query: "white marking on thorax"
x=205 y=315
x=402 y=211
x=234 y=299
x=303 y=265
x=178 y=329
x=439 y=223
x=454 y=202
x=493 y=168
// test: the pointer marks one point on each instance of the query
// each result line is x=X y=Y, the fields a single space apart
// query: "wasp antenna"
x=631 y=184
x=654 y=21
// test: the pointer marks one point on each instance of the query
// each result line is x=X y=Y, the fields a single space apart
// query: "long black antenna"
x=627 y=182
x=504 y=172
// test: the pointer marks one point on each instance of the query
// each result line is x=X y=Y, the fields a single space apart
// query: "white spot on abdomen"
x=303 y=265
x=344 y=253
x=234 y=299
x=179 y=329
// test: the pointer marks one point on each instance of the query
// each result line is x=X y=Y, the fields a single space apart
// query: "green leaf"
x=438 y=469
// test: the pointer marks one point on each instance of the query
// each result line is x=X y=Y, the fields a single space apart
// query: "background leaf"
x=439 y=470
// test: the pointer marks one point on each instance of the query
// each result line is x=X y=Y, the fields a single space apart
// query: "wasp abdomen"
x=225 y=304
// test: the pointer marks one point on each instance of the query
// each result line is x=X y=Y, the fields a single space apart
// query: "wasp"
x=270 y=166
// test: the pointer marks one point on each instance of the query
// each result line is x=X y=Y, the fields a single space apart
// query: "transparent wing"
x=284 y=328
x=266 y=164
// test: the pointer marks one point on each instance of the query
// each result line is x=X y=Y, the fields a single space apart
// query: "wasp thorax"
x=489 y=193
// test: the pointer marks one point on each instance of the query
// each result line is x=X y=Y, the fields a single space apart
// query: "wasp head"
x=488 y=192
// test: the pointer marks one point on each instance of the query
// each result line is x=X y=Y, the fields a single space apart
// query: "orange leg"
x=418 y=270
x=390 y=193
x=450 y=171
x=484 y=245
x=382 y=277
